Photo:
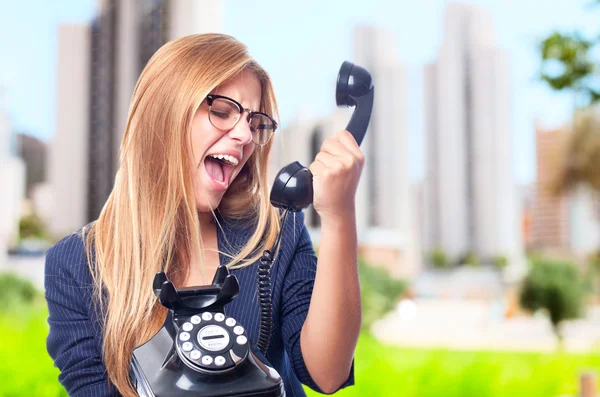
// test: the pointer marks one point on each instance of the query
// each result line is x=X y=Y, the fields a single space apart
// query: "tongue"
x=214 y=169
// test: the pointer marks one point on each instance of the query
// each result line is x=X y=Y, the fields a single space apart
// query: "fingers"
x=331 y=162
x=343 y=145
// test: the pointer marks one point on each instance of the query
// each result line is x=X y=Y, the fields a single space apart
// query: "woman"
x=191 y=193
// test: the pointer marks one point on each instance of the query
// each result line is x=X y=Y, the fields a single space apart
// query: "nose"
x=241 y=132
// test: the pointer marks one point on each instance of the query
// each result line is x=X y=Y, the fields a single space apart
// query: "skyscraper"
x=550 y=220
x=69 y=148
x=471 y=195
x=384 y=185
x=12 y=181
x=120 y=41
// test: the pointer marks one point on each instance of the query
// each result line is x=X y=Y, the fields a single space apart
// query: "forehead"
x=244 y=88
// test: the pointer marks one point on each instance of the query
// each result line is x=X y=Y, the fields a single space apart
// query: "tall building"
x=12 y=180
x=550 y=217
x=69 y=148
x=386 y=222
x=119 y=43
x=385 y=186
x=471 y=194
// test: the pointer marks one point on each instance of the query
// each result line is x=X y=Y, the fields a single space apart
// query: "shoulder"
x=68 y=257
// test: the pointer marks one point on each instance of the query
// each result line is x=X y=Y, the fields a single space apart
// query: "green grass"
x=27 y=370
x=382 y=370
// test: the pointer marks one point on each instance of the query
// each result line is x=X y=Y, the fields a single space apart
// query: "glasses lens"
x=224 y=114
x=262 y=128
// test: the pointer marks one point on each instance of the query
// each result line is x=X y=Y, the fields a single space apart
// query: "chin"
x=209 y=205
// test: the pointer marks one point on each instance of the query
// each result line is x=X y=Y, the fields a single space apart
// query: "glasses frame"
x=211 y=97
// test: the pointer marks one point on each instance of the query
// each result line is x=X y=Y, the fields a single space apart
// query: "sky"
x=302 y=45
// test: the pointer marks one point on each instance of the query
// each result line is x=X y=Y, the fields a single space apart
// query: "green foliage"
x=500 y=261
x=15 y=292
x=567 y=64
x=379 y=291
x=31 y=226
x=555 y=287
x=383 y=370
x=438 y=258
x=470 y=259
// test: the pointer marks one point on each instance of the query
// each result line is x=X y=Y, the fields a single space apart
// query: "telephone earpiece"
x=355 y=88
x=293 y=189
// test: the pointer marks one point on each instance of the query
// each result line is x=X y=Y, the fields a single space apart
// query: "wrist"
x=338 y=220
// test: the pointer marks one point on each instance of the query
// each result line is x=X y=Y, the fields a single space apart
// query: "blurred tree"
x=555 y=287
x=569 y=63
x=581 y=161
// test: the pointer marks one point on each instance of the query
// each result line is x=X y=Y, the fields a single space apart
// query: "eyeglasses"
x=224 y=113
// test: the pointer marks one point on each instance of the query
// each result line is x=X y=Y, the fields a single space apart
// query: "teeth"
x=226 y=157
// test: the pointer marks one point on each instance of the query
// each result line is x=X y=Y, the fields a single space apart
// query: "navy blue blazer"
x=75 y=338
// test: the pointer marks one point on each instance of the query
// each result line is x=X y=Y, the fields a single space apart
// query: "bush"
x=379 y=291
x=31 y=226
x=500 y=261
x=438 y=258
x=15 y=292
x=469 y=258
x=555 y=287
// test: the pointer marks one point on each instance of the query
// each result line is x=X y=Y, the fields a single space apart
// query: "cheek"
x=248 y=150
x=204 y=135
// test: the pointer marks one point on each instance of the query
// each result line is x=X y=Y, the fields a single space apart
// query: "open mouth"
x=220 y=167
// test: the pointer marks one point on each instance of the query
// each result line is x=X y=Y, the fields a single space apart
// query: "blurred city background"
x=478 y=207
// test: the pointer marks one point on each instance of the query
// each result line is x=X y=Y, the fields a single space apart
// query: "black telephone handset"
x=293 y=189
x=201 y=352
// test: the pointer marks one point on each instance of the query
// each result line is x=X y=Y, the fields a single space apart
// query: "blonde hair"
x=150 y=220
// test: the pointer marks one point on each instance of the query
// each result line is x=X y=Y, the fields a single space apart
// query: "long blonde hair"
x=150 y=220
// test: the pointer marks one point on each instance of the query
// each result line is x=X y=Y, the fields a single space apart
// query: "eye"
x=222 y=114
x=261 y=123
x=264 y=127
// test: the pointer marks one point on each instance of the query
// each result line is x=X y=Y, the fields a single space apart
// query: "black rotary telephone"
x=201 y=352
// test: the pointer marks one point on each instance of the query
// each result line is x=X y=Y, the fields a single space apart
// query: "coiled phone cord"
x=264 y=293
